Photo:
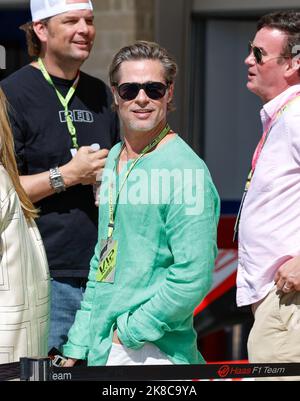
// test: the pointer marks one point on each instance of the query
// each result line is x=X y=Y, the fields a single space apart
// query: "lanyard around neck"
x=266 y=133
x=257 y=154
x=112 y=207
x=63 y=100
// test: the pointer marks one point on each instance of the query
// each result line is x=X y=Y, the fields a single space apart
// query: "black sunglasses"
x=257 y=52
x=130 y=90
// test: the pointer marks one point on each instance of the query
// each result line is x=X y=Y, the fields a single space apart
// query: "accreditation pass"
x=107 y=261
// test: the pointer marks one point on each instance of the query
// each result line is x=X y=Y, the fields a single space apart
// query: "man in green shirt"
x=157 y=229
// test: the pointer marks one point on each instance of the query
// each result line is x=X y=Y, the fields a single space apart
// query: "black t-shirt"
x=68 y=221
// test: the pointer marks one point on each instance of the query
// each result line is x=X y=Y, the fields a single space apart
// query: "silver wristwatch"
x=56 y=180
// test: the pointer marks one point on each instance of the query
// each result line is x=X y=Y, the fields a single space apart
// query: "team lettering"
x=77 y=116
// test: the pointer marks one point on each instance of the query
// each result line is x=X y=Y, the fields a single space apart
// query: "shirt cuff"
x=124 y=333
x=75 y=352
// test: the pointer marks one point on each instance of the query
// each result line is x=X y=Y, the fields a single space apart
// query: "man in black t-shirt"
x=63 y=125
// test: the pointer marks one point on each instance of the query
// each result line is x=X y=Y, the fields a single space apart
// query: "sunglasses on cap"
x=130 y=90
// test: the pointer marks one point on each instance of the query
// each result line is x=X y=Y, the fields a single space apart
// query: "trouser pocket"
x=289 y=310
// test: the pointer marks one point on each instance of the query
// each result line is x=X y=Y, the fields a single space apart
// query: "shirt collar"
x=274 y=105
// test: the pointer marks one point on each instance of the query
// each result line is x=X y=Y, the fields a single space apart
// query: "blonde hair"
x=7 y=158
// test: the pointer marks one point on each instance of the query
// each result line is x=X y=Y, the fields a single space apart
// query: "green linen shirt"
x=166 y=228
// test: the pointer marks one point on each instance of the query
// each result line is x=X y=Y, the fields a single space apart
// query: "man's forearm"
x=37 y=186
x=84 y=168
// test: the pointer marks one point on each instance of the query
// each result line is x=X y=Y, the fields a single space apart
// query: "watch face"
x=56 y=180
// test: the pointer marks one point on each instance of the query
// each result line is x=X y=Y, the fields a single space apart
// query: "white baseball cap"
x=41 y=9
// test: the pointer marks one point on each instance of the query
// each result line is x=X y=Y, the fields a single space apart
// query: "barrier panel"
x=31 y=369
x=10 y=371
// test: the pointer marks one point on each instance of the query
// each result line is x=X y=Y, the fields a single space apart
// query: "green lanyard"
x=64 y=101
x=112 y=207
